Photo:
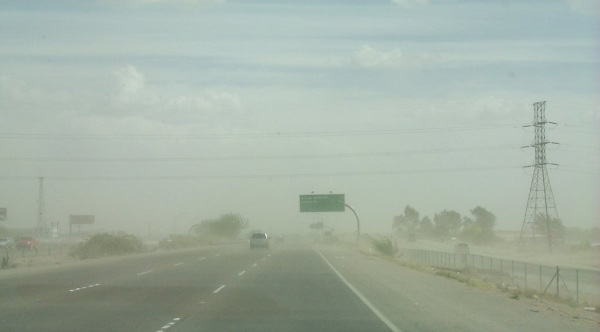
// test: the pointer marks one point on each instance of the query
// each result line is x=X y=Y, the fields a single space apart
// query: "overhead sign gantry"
x=322 y=203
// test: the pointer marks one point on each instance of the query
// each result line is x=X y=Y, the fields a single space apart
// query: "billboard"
x=322 y=203
x=81 y=219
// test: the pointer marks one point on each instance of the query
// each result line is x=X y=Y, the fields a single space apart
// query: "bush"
x=385 y=246
x=106 y=244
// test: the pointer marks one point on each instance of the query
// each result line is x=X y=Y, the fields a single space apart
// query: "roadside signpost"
x=327 y=203
x=2 y=214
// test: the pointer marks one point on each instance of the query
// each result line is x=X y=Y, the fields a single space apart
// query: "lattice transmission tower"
x=540 y=213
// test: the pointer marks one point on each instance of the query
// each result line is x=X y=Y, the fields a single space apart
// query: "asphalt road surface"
x=290 y=287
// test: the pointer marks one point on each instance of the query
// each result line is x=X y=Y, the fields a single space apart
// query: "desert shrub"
x=384 y=245
x=106 y=244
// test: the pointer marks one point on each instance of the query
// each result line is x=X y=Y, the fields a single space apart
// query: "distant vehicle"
x=461 y=248
x=27 y=242
x=259 y=240
x=6 y=242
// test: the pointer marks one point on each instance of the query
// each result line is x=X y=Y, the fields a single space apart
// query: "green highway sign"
x=322 y=203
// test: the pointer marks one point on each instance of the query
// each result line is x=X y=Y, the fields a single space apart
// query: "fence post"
x=540 y=279
x=557 y=282
x=577 y=282
x=500 y=271
x=525 y=275
x=512 y=273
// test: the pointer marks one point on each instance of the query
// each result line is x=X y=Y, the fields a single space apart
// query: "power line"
x=257 y=176
x=264 y=157
x=582 y=147
x=579 y=129
x=375 y=132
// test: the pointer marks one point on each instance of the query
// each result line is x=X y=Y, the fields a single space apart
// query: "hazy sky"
x=164 y=113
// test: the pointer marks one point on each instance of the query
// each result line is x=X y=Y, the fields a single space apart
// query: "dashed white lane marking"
x=145 y=272
x=254 y=264
x=201 y=258
x=368 y=303
x=218 y=289
x=217 y=255
x=177 y=264
x=239 y=274
x=84 y=287
x=169 y=324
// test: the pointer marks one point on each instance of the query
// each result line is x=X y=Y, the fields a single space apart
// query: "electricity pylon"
x=541 y=207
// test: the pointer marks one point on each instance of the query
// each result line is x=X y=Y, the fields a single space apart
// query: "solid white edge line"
x=368 y=303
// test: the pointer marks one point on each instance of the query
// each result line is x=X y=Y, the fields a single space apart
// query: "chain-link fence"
x=579 y=285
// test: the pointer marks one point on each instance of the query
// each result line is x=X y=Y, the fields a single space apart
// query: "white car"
x=6 y=242
x=259 y=240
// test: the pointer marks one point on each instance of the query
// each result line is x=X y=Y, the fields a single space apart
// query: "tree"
x=557 y=229
x=480 y=229
x=426 y=226
x=227 y=225
x=447 y=223
x=485 y=219
x=407 y=222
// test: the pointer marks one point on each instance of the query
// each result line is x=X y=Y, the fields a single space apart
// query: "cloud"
x=409 y=3
x=130 y=80
x=133 y=96
x=19 y=99
x=586 y=7
x=186 y=2
x=369 y=57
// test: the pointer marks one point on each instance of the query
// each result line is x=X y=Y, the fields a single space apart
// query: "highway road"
x=290 y=287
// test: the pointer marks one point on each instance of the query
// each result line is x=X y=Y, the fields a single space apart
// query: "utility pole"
x=41 y=225
x=540 y=204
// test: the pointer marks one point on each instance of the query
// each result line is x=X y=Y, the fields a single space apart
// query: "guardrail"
x=578 y=285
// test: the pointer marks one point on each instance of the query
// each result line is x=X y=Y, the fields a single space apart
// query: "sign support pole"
x=357 y=223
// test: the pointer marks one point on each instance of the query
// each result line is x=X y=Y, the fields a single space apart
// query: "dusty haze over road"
x=154 y=115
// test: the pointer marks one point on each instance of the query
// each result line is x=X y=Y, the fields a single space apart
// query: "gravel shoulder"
x=420 y=301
